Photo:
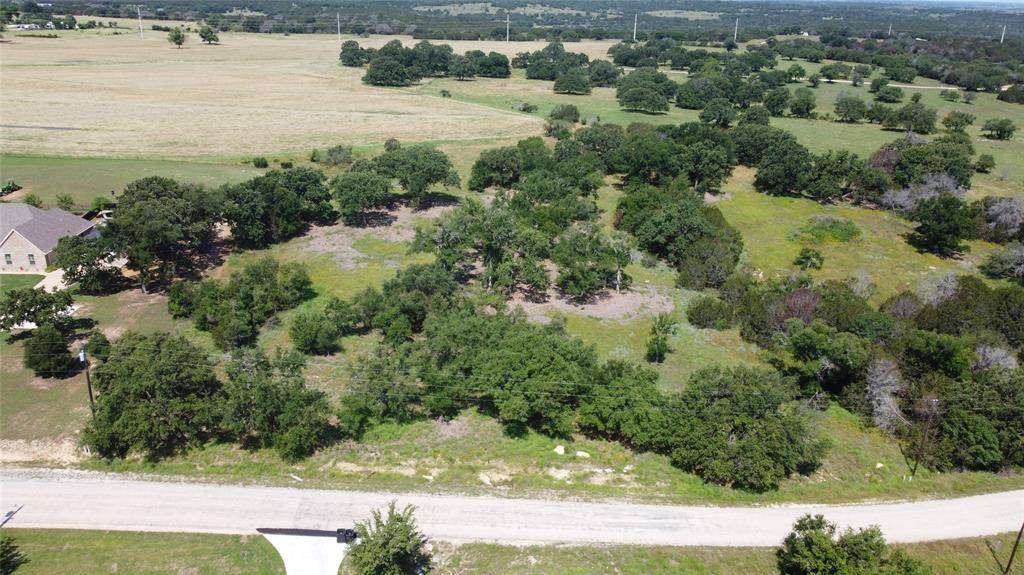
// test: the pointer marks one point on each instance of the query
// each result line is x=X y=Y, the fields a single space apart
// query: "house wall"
x=19 y=249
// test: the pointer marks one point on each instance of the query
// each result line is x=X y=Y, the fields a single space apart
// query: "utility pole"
x=138 y=10
x=635 y=18
x=1003 y=35
x=339 y=25
x=736 y=30
x=890 y=29
x=88 y=379
x=508 y=23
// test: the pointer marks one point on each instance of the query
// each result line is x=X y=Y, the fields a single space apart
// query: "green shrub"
x=11 y=557
x=260 y=162
x=985 y=164
x=566 y=112
x=157 y=394
x=809 y=259
x=98 y=346
x=390 y=545
x=815 y=546
x=313 y=332
x=657 y=347
x=709 y=312
x=560 y=129
x=340 y=155
x=822 y=229
x=737 y=427
x=9 y=187
x=46 y=352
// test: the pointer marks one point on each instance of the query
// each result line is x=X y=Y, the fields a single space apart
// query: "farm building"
x=28 y=236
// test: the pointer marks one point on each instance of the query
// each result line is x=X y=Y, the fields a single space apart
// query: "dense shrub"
x=340 y=155
x=496 y=167
x=46 y=352
x=391 y=544
x=156 y=395
x=574 y=81
x=233 y=312
x=359 y=193
x=815 y=547
x=37 y=306
x=276 y=206
x=267 y=404
x=736 y=427
x=709 y=312
x=566 y=112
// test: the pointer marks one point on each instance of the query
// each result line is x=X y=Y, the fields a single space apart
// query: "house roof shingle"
x=44 y=228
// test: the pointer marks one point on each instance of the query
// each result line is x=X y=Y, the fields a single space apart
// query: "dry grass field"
x=93 y=94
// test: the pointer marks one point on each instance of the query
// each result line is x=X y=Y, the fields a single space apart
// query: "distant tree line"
x=972 y=64
x=572 y=20
x=396 y=65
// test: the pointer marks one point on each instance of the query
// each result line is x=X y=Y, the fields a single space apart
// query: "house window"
x=31 y=259
x=7 y=259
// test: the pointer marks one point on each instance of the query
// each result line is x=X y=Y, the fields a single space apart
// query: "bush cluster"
x=940 y=373
x=158 y=394
x=444 y=355
x=234 y=311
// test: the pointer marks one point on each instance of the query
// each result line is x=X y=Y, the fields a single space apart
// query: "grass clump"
x=823 y=229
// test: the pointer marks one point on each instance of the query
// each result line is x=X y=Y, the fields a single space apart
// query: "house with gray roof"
x=29 y=234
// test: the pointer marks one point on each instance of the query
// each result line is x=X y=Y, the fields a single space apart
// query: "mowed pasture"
x=87 y=94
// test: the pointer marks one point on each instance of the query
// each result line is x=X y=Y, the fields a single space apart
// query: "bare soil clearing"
x=623 y=306
x=397 y=226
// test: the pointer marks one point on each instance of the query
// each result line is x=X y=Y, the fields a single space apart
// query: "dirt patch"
x=624 y=306
x=338 y=239
x=61 y=451
x=457 y=428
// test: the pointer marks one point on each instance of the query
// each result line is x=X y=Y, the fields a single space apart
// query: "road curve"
x=81 y=500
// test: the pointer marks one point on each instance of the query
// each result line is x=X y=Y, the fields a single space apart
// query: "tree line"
x=395 y=65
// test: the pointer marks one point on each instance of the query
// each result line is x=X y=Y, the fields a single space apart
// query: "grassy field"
x=52 y=551
x=17 y=281
x=771 y=228
x=87 y=178
x=96 y=552
x=304 y=99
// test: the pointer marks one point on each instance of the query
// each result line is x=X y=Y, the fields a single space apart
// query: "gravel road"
x=83 y=500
